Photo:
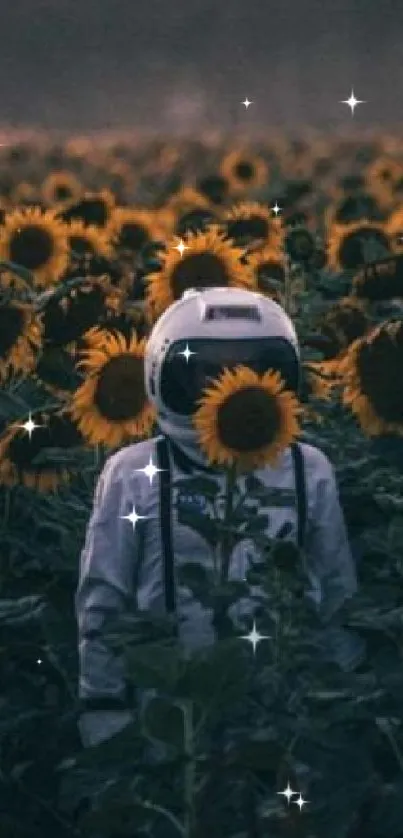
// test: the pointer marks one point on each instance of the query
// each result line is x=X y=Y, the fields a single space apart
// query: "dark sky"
x=165 y=64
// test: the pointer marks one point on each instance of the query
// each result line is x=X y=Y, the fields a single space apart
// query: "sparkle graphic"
x=300 y=802
x=186 y=353
x=352 y=102
x=133 y=517
x=246 y=103
x=29 y=426
x=39 y=661
x=288 y=793
x=150 y=470
x=254 y=637
x=181 y=247
x=276 y=209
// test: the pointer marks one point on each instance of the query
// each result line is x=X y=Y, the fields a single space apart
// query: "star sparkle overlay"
x=150 y=470
x=288 y=792
x=181 y=247
x=276 y=209
x=29 y=426
x=246 y=103
x=254 y=637
x=133 y=517
x=352 y=102
x=186 y=352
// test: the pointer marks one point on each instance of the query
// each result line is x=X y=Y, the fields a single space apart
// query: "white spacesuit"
x=122 y=565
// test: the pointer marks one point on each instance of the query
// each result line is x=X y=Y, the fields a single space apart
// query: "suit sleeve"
x=329 y=559
x=105 y=588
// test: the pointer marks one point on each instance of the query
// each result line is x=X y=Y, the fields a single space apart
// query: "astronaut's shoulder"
x=317 y=464
x=123 y=464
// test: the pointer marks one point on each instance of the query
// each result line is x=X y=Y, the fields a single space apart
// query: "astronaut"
x=123 y=566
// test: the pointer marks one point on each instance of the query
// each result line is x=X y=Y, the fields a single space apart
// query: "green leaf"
x=164 y=720
x=199 y=486
x=214 y=677
x=206 y=527
x=197 y=578
x=152 y=665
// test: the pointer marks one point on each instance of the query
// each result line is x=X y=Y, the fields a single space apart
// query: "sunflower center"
x=90 y=210
x=254 y=227
x=32 y=247
x=120 y=393
x=11 y=327
x=62 y=192
x=248 y=420
x=354 y=246
x=133 y=236
x=198 y=270
x=380 y=377
x=81 y=245
x=244 y=170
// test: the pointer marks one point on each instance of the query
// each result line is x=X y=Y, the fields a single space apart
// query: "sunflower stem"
x=226 y=542
x=190 y=770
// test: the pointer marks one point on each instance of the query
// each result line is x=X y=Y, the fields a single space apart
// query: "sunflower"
x=37 y=241
x=121 y=177
x=20 y=338
x=94 y=208
x=67 y=319
x=23 y=193
x=210 y=261
x=131 y=228
x=343 y=323
x=111 y=405
x=383 y=173
x=185 y=200
x=268 y=265
x=372 y=371
x=246 y=419
x=19 y=452
x=244 y=171
x=88 y=240
x=356 y=244
x=61 y=188
x=251 y=223
x=381 y=281
x=394 y=229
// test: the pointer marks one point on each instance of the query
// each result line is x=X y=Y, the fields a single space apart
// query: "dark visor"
x=184 y=379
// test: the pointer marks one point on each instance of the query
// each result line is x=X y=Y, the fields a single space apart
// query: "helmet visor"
x=191 y=366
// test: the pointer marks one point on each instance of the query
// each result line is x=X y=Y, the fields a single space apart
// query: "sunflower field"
x=97 y=239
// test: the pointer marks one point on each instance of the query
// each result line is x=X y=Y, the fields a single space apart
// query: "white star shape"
x=352 y=102
x=288 y=792
x=29 y=426
x=39 y=661
x=181 y=247
x=150 y=470
x=186 y=353
x=276 y=209
x=300 y=802
x=254 y=637
x=133 y=517
x=246 y=103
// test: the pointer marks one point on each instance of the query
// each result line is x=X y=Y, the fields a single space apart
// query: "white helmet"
x=201 y=334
